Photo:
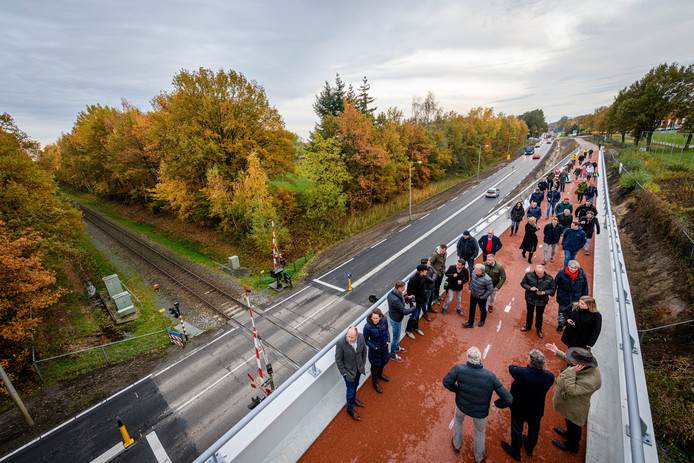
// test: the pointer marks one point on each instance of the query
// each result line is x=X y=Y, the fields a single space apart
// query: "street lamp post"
x=411 y=166
x=479 y=159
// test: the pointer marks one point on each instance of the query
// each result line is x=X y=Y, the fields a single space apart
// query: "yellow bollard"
x=349 y=282
x=508 y=156
x=125 y=437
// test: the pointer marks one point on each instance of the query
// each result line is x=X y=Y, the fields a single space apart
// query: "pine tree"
x=363 y=99
x=330 y=101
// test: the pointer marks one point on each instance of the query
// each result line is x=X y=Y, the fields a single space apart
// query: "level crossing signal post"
x=265 y=384
x=177 y=313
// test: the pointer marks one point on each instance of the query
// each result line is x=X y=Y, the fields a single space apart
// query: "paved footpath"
x=411 y=420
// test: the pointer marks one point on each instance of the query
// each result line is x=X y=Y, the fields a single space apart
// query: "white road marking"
x=382 y=241
x=403 y=229
x=199 y=394
x=424 y=216
x=342 y=264
x=498 y=326
x=157 y=448
x=539 y=246
x=527 y=269
x=286 y=299
x=441 y=206
x=455 y=197
x=109 y=454
x=486 y=351
x=315 y=312
x=337 y=288
x=507 y=309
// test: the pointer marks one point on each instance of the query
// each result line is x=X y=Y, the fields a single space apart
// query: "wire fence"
x=83 y=360
x=666 y=143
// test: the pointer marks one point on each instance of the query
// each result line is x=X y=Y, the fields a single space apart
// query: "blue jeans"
x=395 y=328
x=352 y=393
x=471 y=265
x=590 y=198
x=550 y=209
x=569 y=255
x=514 y=226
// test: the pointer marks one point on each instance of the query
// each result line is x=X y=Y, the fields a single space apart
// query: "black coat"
x=397 y=309
x=496 y=244
x=565 y=220
x=585 y=331
x=419 y=287
x=590 y=226
x=452 y=280
x=517 y=214
x=552 y=234
x=538 y=197
x=544 y=284
x=568 y=290
x=583 y=210
x=350 y=362
x=529 y=388
x=377 y=338
x=473 y=387
x=529 y=243
x=467 y=248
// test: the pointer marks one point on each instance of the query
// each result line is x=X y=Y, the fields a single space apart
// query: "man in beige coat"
x=575 y=385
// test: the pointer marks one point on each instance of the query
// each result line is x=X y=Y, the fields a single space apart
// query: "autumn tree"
x=365 y=160
x=213 y=121
x=27 y=288
x=535 y=120
x=324 y=199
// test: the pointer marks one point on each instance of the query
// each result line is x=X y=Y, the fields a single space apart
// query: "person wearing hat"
x=575 y=386
x=468 y=249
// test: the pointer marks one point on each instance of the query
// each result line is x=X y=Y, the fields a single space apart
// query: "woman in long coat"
x=529 y=243
x=377 y=338
x=584 y=324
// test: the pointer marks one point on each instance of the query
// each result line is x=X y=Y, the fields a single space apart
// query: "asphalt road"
x=188 y=404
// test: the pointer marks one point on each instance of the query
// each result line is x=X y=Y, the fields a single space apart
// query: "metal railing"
x=639 y=431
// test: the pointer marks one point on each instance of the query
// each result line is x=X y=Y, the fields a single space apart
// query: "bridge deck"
x=410 y=420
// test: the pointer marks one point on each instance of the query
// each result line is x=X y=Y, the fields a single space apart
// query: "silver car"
x=492 y=193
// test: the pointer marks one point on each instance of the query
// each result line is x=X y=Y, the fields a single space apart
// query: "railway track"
x=217 y=299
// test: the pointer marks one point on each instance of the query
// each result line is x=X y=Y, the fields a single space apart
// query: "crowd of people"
x=433 y=284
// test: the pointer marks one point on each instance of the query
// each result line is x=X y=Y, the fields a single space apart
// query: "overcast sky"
x=567 y=58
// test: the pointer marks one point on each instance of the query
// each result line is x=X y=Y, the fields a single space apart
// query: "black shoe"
x=358 y=403
x=384 y=378
x=378 y=388
x=564 y=446
x=481 y=323
x=529 y=451
x=467 y=325
x=355 y=416
x=508 y=449
x=561 y=431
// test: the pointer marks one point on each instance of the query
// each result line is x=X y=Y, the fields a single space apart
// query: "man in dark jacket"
x=529 y=388
x=497 y=273
x=473 y=386
x=553 y=197
x=481 y=288
x=489 y=244
x=539 y=286
x=571 y=283
x=583 y=209
x=534 y=211
x=417 y=287
x=572 y=239
x=468 y=249
x=538 y=196
x=552 y=235
x=563 y=180
x=562 y=206
x=350 y=358
x=542 y=185
x=590 y=224
x=397 y=309
x=565 y=219
x=590 y=193
x=438 y=263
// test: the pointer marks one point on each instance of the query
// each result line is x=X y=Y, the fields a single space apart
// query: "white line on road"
x=382 y=241
x=405 y=228
x=199 y=394
x=157 y=448
x=424 y=216
x=421 y=237
x=337 y=288
x=486 y=351
x=109 y=454
x=316 y=312
x=286 y=299
x=498 y=326
x=441 y=206
x=331 y=271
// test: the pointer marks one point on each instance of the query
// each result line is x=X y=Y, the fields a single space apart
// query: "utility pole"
x=15 y=396
x=412 y=163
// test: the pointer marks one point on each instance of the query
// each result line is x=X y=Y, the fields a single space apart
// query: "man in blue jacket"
x=572 y=240
x=397 y=309
x=553 y=197
x=538 y=196
x=473 y=386
x=468 y=249
x=534 y=211
x=529 y=388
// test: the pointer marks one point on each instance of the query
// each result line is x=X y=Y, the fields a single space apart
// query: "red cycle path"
x=410 y=420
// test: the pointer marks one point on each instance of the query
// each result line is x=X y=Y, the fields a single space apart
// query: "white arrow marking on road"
x=486 y=351
x=498 y=326
x=507 y=309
